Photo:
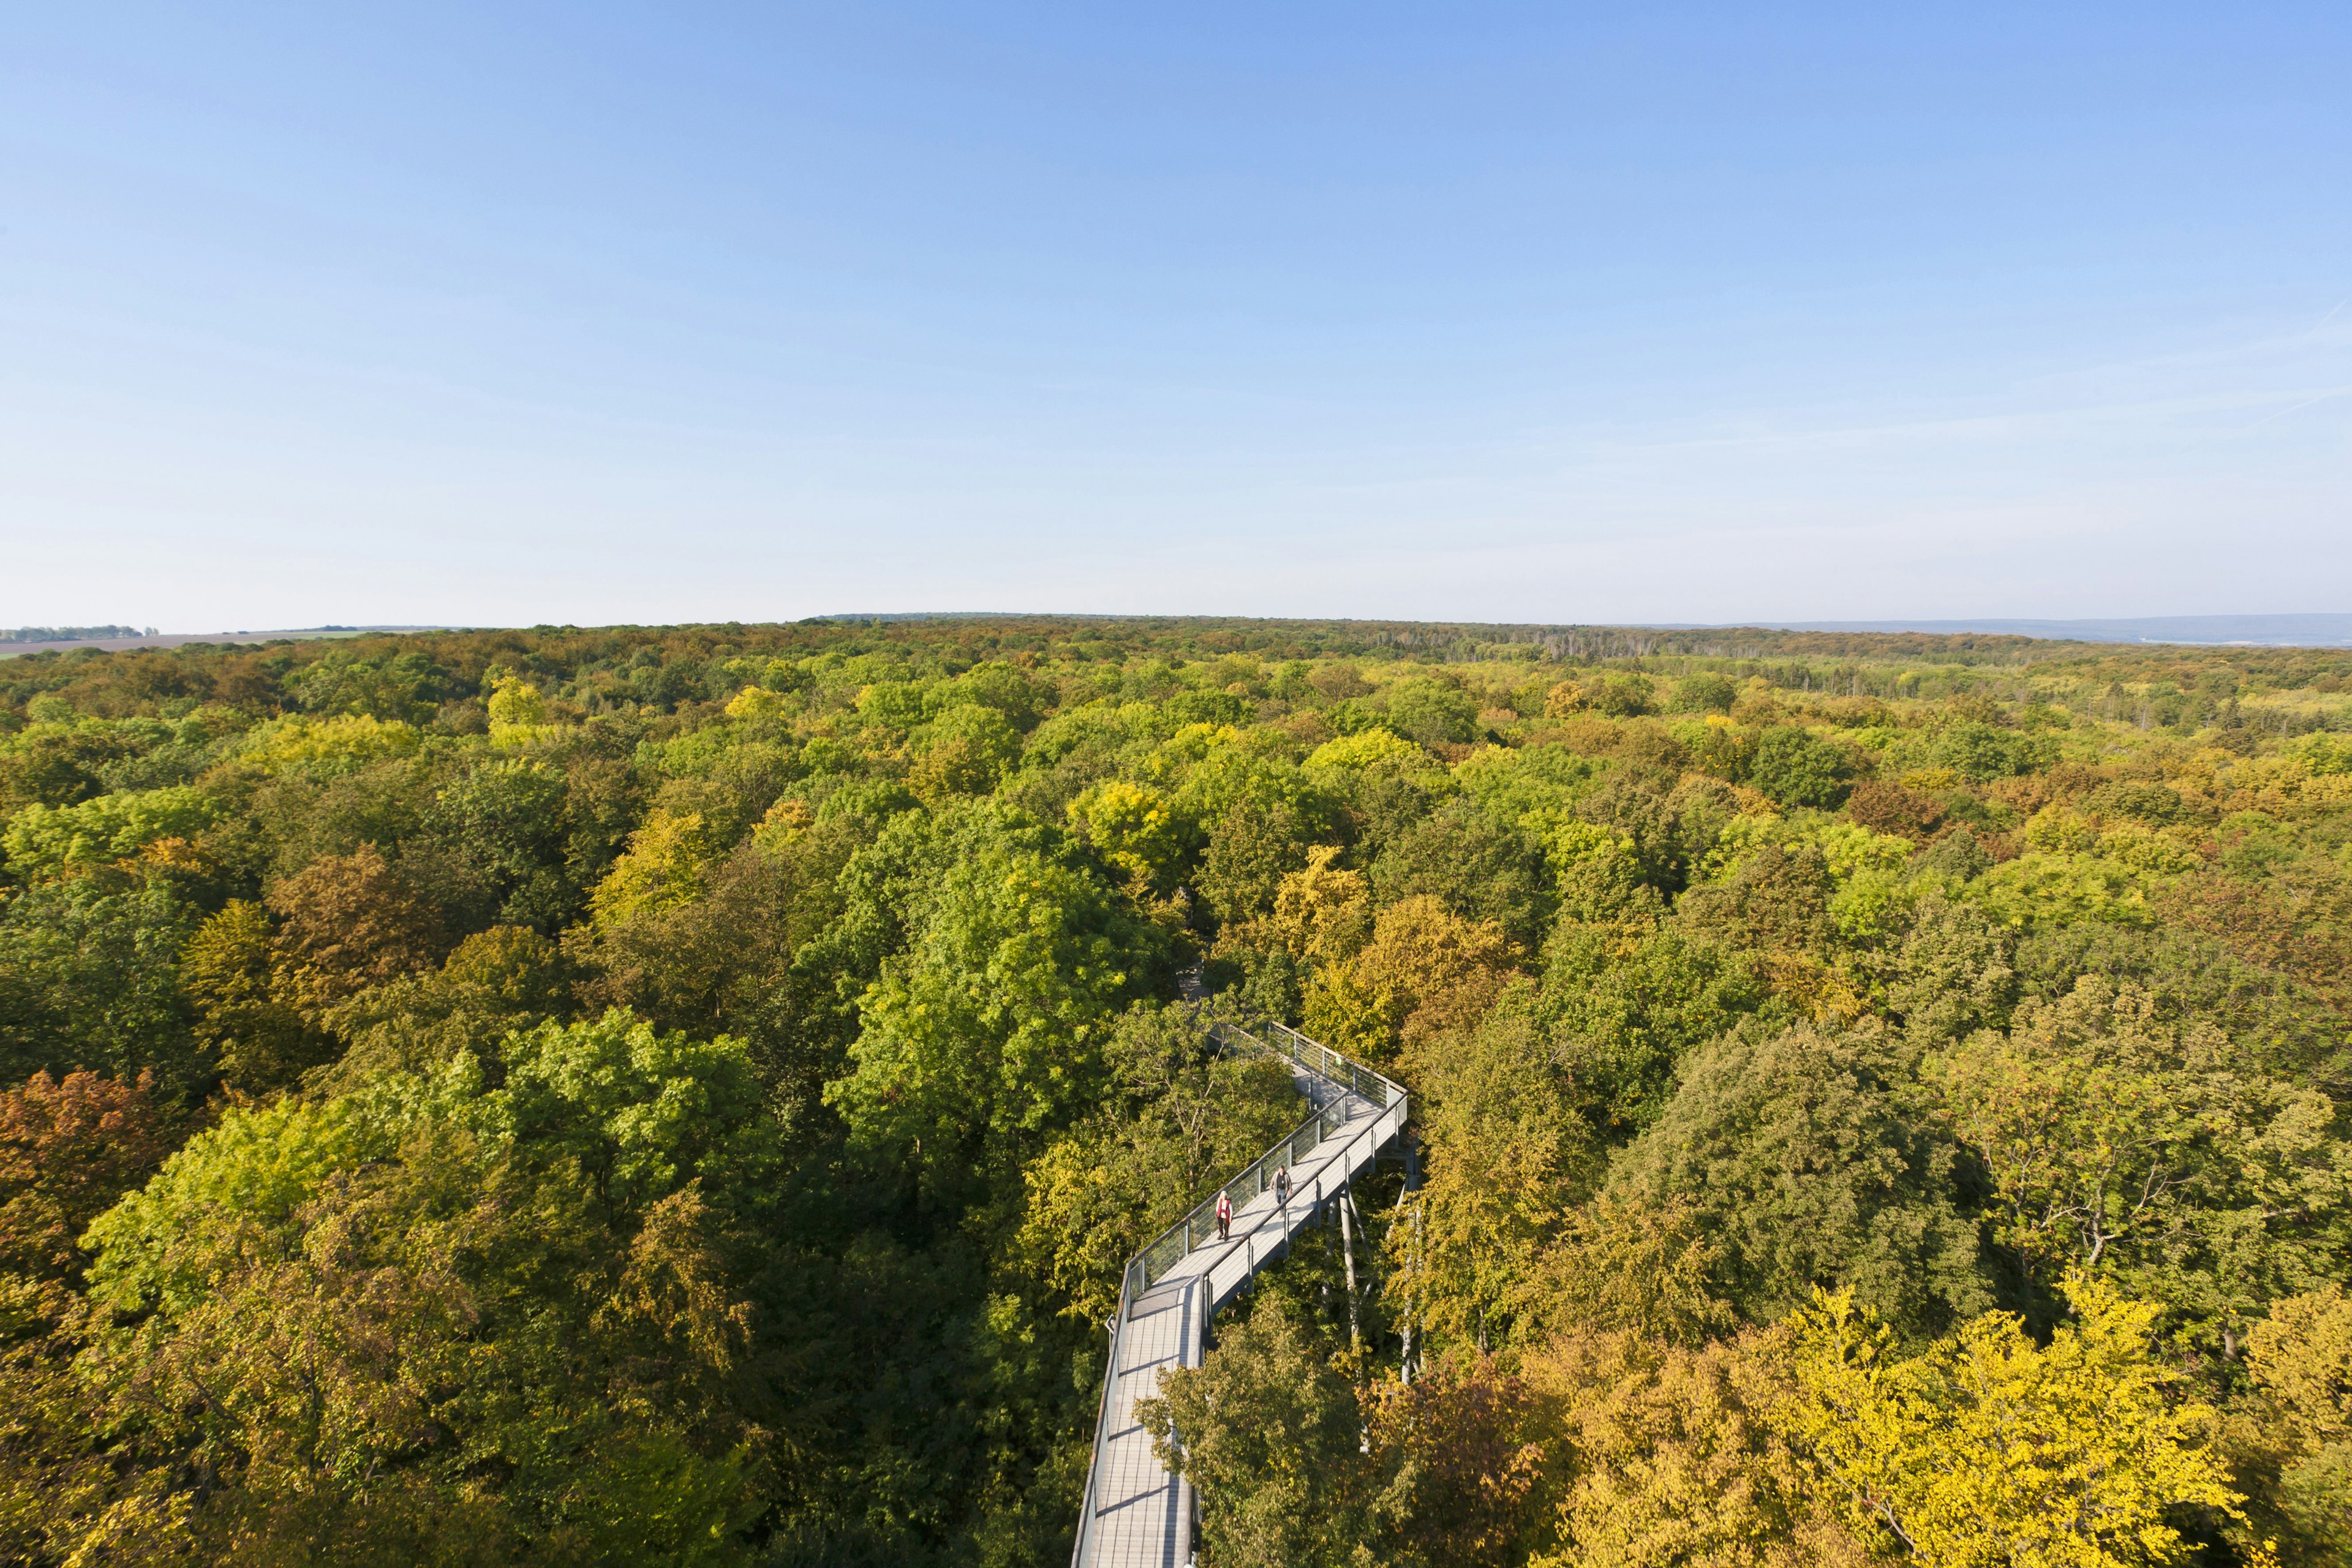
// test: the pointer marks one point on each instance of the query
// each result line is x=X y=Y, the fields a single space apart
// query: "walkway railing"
x=1176 y=1243
x=1345 y=1079
x=1319 y=1058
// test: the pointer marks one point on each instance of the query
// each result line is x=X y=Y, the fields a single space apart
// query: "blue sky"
x=502 y=314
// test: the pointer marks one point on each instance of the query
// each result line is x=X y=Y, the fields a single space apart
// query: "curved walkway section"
x=1135 y=1514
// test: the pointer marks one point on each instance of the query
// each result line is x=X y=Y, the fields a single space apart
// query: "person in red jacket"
x=1224 y=1217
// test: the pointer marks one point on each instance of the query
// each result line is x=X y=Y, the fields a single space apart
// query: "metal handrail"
x=1322 y=1059
x=1141 y=1275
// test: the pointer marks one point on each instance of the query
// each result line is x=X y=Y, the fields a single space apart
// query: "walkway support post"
x=1348 y=1251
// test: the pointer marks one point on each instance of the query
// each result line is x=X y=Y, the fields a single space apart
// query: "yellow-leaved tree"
x=1988 y=1450
x=756 y=705
x=1424 y=970
x=1668 y=1455
x=663 y=867
x=1132 y=828
x=2293 y=1442
x=518 y=711
x=1322 y=913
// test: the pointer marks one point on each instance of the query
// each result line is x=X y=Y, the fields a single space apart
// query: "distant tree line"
x=72 y=634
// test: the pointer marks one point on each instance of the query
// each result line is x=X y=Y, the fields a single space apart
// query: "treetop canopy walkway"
x=1135 y=1514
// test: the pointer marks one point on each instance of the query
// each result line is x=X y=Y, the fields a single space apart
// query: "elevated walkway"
x=1136 y=1515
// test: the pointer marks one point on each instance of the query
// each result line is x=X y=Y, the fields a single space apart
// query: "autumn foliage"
x=689 y=1095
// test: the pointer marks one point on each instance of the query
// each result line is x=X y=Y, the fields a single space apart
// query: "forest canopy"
x=686 y=1095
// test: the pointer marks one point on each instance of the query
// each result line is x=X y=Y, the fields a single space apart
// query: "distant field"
x=177 y=639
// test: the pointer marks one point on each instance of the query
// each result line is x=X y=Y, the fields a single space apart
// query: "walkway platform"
x=1136 y=1515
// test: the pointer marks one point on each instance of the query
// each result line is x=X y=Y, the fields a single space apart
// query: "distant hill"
x=2270 y=631
x=2274 y=631
x=891 y=618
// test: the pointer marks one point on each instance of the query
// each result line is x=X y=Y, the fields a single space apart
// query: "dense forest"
x=686 y=1095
